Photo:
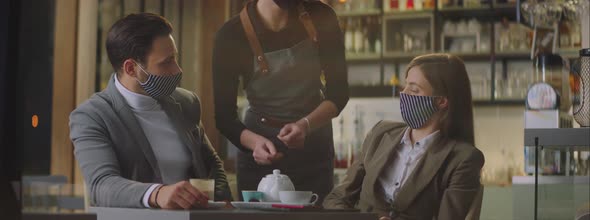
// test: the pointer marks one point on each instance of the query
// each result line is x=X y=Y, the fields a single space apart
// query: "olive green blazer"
x=442 y=186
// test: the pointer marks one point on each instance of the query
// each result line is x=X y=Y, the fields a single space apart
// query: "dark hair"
x=448 y=77
x=132 y=37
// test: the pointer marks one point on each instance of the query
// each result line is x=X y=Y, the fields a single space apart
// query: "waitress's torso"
x=285 y=84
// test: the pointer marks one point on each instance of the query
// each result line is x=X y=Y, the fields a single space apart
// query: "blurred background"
x=53 y=57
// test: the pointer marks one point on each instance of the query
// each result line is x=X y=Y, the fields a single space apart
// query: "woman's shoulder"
x=231 y=28
x=321 y=13
x=465 y=151
x=384 y=127
x=388 y=126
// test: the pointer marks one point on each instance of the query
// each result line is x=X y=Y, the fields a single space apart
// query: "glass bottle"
x=358 y=37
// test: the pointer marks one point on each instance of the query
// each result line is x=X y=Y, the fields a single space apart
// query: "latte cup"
x=298 y=197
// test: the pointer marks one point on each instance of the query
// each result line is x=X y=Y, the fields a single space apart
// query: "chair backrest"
x=475 y=209
x=583 y=212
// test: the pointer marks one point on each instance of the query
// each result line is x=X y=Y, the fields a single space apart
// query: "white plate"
x=303 y=204
x=216 y=205
x=253 y=205
x=261 y=205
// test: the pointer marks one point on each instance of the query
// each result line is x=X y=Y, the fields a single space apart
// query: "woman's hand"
x=293 y=134
x=263 y=150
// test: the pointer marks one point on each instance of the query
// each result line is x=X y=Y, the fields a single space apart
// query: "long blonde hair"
x=448 y=77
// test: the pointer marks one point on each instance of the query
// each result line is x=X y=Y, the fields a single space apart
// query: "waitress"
x=280 y=49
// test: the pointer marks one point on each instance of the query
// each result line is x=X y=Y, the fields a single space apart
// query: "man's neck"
x=130 y=84
x=272 y=16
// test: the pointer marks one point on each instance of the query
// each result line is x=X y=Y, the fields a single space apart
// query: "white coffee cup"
x=298 y=197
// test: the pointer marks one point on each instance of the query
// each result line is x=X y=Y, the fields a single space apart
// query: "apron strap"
x=253 y=39
x=304 y=17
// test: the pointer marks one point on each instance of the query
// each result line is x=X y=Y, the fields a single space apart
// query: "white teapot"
x=272 y=184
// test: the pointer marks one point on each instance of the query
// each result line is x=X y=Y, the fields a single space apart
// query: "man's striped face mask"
x=160 y=86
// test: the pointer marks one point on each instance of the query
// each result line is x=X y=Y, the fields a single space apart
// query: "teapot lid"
x=276 y=173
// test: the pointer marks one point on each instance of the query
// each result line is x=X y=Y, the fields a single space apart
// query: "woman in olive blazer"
x=445 y=179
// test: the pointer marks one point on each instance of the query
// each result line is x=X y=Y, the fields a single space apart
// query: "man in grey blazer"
x=140 y=140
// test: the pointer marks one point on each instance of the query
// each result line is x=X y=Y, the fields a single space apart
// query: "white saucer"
x=216 y=205
x=262 y=205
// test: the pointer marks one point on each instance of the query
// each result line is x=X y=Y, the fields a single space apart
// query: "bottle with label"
x=394 y=4
x=575 y=36
x=358 y=37
x=428 y=4
x=564 y=35
x=403 y=5
x=378 y=45
x=368 y=35
x=418 y=4
x=349 y=35
x=398 y=41
x=410 y=4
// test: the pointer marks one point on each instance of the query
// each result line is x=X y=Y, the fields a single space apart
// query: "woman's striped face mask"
x=416 y=110
x=160 y=86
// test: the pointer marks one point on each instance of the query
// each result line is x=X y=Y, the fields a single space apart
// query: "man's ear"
x=130 y=67
x=442 y=102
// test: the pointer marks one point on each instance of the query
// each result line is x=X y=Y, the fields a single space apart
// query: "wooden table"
x=100 y=213
x=147 y=214
x=58 y=216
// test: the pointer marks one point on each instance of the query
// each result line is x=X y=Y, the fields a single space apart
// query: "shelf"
x=558 y=137
x=479 y=12
x=452 y=35
x=504 y=6
x=565 y=53
x=463 y=9
x=472 y=56
x=406 y=15
x=363 y=57
x=371 y=91
x=400 y=55
x=516 y=54
x=550 y=180
x=569 y=52
x=409 y=12
x=498 y=102
x=356 y=13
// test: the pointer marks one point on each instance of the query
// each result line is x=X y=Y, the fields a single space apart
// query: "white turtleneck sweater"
x=174 y=158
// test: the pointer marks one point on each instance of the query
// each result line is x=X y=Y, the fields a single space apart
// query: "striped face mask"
x=416 y=110
x=160 y=86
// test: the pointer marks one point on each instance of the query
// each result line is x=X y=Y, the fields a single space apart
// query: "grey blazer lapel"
x=133 y=127
x=176 y=114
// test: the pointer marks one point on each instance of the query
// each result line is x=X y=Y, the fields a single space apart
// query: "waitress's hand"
x=265 y=152
x=293 y=134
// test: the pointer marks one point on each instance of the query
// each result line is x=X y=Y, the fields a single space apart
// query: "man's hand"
x=293 y=134
x=181 y=195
